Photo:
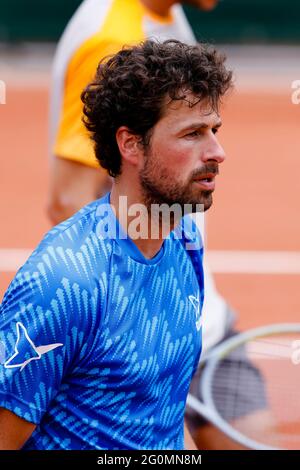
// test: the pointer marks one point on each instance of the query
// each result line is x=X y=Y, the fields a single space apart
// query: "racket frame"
x=211 y=360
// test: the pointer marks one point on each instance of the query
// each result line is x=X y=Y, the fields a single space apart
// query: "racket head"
x=249 y=387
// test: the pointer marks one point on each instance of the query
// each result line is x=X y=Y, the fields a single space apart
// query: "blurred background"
x=233 y=21
x=253 y=230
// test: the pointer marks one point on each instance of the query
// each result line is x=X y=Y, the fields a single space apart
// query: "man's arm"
x=189 y=444
x=72 y=186
x=208 y=5
x=76 y=179
x=14 y=431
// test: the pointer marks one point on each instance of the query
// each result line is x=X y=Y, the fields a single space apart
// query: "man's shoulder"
x=73 y=248
x=66 y=274
x=103 y=27
x=73 y=231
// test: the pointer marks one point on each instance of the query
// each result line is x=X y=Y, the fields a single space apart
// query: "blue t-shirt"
x=100 y=342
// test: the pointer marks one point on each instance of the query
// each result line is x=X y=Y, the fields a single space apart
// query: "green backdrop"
x=233 y=21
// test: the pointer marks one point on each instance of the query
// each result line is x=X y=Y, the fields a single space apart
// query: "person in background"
x=102 y=326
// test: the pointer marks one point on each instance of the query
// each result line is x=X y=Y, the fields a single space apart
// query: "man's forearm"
x=72 y=186
x=189 y=443
x=14 y=431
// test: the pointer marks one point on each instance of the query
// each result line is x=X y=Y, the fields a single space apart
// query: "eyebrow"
x=200 y=125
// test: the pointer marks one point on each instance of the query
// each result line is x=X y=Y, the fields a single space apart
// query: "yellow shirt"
x=98 y=28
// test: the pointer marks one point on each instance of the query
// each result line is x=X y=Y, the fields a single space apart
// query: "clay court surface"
x=253 y=230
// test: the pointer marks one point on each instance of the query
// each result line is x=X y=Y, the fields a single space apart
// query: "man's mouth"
x=206 y=181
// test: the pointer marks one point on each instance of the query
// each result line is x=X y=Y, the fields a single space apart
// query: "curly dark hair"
x=131 y=87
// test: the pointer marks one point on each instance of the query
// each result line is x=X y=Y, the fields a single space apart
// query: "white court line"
x=13 y=259
x=230 y=262
x=255 y=262
x=269 y=69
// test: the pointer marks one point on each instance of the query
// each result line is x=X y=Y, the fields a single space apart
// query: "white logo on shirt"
x=35 y=351
x=195 y=301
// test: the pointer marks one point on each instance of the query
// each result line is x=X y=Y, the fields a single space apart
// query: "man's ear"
x=129 y=145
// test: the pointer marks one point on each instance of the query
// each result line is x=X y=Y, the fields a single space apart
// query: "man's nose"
x=214 y=151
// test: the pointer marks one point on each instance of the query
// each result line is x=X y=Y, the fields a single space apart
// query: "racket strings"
x=257 y=393
x=230 y=380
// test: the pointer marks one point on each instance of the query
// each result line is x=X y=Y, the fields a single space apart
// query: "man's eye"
x=215 y=130
x=192 y=134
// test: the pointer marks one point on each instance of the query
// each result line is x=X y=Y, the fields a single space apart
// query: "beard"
x=158 y=187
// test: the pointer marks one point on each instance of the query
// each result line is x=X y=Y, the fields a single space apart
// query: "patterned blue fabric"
x=101 y=343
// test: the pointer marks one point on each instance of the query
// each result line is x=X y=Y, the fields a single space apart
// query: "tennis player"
x=96 y=29
x=102 y=325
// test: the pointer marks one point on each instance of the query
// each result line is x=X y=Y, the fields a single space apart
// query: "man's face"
x=183 y=156
x=203 y=4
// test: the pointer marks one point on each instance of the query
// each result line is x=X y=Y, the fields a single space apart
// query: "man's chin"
x=208 y=201
x=208 y=205
x=192 y=206
x=200 y=207
x=203 y=203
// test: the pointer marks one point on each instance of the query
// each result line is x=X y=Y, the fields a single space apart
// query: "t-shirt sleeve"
x=41 y=337
x=72 y=140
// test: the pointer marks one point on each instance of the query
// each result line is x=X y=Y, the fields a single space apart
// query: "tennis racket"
x=250 y=387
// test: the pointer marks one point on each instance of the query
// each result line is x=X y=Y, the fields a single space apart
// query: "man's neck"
x=159 y=7
x=150 y=245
